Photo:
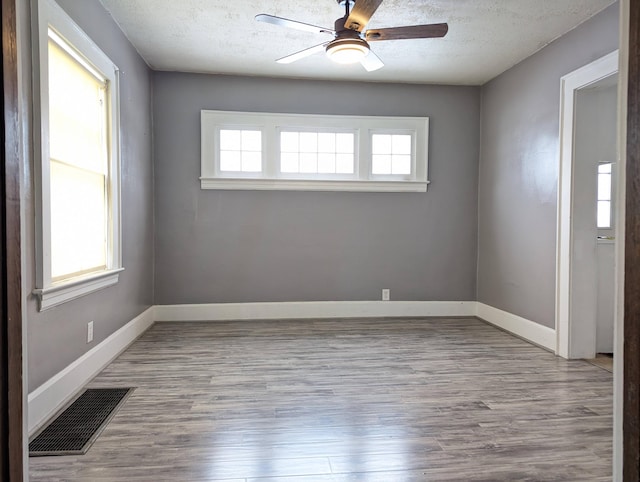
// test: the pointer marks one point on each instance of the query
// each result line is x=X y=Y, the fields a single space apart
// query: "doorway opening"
x=585 y=280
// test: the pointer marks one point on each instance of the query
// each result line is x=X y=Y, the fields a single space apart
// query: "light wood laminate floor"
x=346 y=400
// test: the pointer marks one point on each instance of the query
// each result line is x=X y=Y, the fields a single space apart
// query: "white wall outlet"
x=385 y=294
x=90 y=332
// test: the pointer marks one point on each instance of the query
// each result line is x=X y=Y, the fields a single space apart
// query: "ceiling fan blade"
x=302 y=54
x=433 y=30
x=361 y=14
x=285 y=22
x=371 y=62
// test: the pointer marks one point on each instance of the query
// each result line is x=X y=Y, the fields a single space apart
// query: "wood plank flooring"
x=346 y=400
x=603 y=361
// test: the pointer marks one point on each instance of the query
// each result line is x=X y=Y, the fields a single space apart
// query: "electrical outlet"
x=385 y=294
x=90 y=332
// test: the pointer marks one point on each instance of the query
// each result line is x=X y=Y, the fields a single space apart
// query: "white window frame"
x=271 y=124
x=414 y=165
x=216 y=140
x=317 y=176
x=48 y=14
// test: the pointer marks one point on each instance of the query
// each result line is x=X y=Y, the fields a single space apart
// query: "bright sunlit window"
x=317 y=152
x=240 y=150
x=78 y=156
x=391 y=153
x=79 y=236
x=304 y=152
x=604 y=195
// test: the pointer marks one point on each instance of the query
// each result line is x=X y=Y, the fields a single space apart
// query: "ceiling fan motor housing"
x=342 y=31
x=348 y=46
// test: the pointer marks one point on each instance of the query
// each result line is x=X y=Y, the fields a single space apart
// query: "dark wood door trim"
x=11 y=396
x=631 y=410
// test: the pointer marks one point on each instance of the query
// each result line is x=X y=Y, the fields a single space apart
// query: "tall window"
x=78 y=163
x=79 y=235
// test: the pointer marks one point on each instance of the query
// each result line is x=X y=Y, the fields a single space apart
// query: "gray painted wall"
x=519 y=171
x=236 y=246
x=57 y=336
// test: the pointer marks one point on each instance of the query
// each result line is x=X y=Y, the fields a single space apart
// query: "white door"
x=593 y=243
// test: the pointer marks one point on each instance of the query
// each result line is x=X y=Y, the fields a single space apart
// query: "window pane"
x=308 y=142
x=230 y=140
x=252 y=141
x=317 y=152
x=392 y=154
x=344 y=163
x=401 y=164
x=381 y=144
x=604 y=187
x=381 y=164
x=326 y=163
x=604 y=214
x=289 y=162
x=78 y=221
x=308 y=162
x=240 y=150
x=326 y=142
x=289 y=142
x=344 y=143
x=77 y=113
x=251 y=161
x=401 y=144
x=230 y=161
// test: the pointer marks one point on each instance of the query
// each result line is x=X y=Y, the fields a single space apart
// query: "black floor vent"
x=74 y=430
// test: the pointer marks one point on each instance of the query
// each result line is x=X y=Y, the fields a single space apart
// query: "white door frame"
x=570 y=84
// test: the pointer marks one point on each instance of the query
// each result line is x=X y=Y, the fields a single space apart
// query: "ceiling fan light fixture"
x=347 y=51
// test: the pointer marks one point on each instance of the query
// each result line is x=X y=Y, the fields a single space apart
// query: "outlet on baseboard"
x=385 y=294
x=90 y=332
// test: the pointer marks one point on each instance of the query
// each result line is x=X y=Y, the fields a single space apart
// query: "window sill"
x=307 y=185
x=69 y=290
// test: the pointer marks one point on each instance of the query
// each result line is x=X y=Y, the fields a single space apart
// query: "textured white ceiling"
x=486 y=37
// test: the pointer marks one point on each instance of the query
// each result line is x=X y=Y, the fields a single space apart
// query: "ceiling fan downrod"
x=348 y=5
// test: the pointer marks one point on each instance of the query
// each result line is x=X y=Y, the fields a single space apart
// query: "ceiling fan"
x=351 y=42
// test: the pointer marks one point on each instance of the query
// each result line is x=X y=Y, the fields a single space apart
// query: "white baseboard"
x=52 y=395
x=527 y=329
x=312 y=309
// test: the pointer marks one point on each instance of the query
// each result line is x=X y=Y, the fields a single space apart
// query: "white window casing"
x=272 y=177
x=50 y=21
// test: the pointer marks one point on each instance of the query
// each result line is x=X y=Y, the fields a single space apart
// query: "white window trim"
x=301 y=176
x=270 y=124
x=414 y=160
x=71 y=289
x=48 y=14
